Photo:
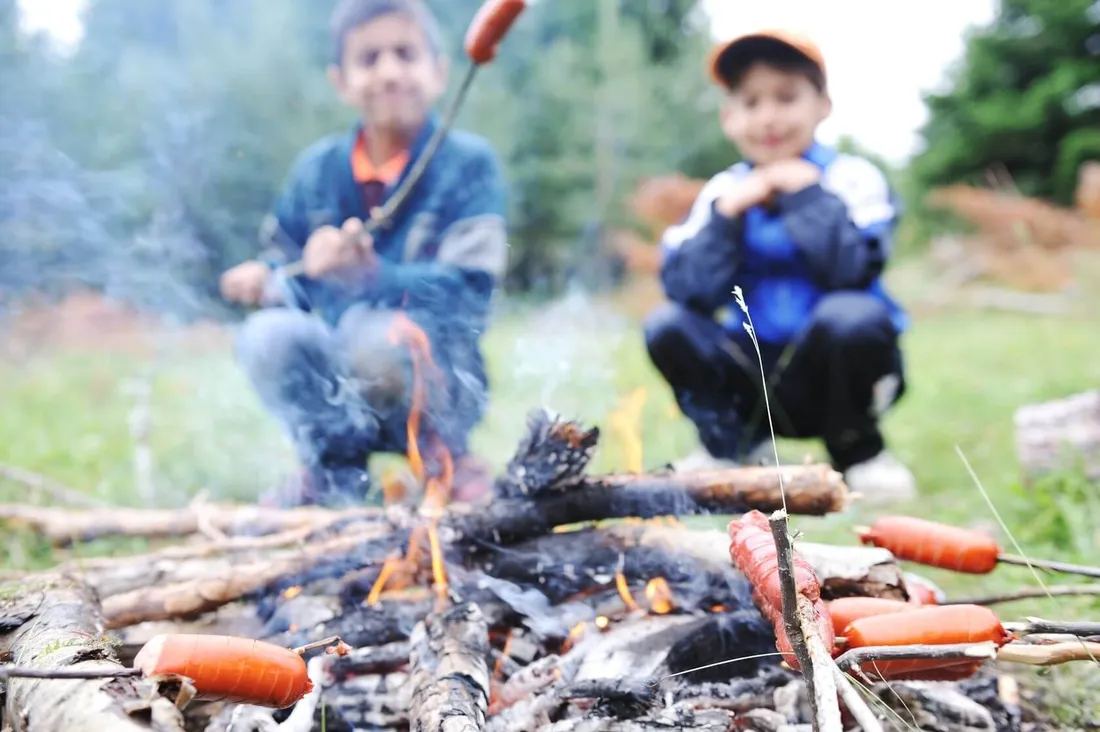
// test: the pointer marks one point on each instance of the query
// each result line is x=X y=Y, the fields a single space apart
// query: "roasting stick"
x=1030 y=593
x=492 y=21
x=211 y=665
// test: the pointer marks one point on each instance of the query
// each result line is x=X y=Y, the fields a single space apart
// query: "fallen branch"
x=58 y=491
x=60 y=631
x=450 y=675
x=63 y=526
x=800 y=623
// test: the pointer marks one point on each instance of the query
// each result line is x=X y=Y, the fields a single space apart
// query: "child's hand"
x=790 y=176
x=245 y=283
x=754 y=190
x=330 y=249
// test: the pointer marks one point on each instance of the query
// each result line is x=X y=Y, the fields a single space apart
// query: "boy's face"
x=390 y=74
x=772 y=114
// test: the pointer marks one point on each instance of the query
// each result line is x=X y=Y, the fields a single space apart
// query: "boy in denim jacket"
x=334 y=377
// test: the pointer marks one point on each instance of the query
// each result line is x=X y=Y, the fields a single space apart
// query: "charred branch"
x=811 y=489
x=553 y=455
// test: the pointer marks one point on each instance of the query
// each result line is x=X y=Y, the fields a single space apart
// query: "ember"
x=634 y=625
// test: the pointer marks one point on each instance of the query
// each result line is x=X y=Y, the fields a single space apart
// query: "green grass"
x=65 y=415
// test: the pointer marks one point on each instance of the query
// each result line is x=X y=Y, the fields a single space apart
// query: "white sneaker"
x=882 y=479
x=699 y=460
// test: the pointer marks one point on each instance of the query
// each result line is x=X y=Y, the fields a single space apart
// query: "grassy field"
x=65 y=414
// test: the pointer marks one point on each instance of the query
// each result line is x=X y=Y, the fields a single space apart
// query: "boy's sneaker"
x=702 y=460
x=882 y=479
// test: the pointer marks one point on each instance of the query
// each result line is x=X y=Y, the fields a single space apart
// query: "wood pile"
x=526 y=612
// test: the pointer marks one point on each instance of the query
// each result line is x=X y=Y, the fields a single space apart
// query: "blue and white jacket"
x=834 y=235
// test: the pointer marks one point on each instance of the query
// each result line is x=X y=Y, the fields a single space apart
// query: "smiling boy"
x=337 y=382
x=805 y=232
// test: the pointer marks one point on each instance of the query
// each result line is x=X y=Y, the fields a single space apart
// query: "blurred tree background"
x=141 y=163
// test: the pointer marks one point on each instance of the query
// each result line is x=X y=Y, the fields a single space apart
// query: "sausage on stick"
x=949 y=547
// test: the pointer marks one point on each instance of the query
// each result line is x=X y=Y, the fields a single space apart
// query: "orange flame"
x=624 y=592
x=659 y=596
x=498 y=667
x=626 y=421
x=602 y=621
x=291 y=592
x=437 y=489
x=575 y=634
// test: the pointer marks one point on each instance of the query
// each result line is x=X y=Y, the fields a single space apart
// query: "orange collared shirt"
x=365 y=171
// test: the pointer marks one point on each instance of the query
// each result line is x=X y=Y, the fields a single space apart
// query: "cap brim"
x=728 y=59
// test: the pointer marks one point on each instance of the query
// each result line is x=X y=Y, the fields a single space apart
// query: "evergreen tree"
x=1026 y=96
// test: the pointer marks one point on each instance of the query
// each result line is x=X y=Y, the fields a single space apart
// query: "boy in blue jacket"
x=324 y=361
x=805 y=232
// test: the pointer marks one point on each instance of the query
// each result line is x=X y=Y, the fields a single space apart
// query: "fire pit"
x=532 y=611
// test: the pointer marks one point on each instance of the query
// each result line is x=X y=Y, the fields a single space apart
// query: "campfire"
x=568 y=601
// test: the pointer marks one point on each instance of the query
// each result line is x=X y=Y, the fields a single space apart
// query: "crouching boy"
x=331 y=359
x=805 y=232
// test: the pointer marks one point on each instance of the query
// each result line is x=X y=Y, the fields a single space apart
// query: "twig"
x=1049 y=655
x=962 y=651
x=1030 y=593
x=813 y=657
x=36 y=482
x=859 y=709
x=17 y=672
x=1055 y=627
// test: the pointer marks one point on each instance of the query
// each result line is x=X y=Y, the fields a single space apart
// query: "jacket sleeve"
x=472 y=255
x=286 y=227
x=843 y=225
x=701 y=255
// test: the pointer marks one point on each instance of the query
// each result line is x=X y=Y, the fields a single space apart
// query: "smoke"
x=567 y=353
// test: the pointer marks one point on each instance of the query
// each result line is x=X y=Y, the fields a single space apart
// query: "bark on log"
x=450 y=673
x=1059 y=435
x=64 y=631
x=64 y=526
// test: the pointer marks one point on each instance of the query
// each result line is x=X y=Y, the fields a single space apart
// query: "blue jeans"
x=345 y=393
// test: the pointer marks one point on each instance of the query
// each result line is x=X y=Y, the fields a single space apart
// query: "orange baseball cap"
x=725 y=57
